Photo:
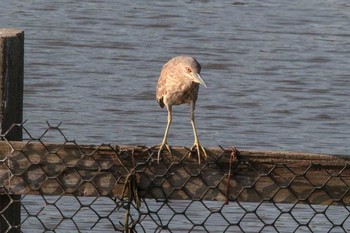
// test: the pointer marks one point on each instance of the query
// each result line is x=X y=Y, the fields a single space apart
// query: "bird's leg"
x=196 y=141
x=165 y=142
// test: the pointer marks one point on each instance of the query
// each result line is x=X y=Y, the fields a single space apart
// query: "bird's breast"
x=183 y=93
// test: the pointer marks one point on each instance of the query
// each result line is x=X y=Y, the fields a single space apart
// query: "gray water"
x=286 y=218
x=277 y=72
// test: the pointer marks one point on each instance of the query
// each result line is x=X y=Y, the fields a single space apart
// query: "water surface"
x=277 y=74
x=277 y=71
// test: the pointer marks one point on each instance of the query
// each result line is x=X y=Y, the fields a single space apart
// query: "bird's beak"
x=198 y=79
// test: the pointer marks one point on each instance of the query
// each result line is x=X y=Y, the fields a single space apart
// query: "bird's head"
x=191 y=68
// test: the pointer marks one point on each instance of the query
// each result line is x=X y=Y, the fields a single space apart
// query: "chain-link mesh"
x=62 y=186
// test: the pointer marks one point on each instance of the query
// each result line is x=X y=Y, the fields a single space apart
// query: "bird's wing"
x=161 y=86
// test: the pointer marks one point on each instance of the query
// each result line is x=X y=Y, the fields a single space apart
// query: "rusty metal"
x=233 y=156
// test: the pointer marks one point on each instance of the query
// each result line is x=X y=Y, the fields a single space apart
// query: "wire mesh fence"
x=62 y=186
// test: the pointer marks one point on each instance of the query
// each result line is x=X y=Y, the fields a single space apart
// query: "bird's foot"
x=161 y=147
x=196 y=146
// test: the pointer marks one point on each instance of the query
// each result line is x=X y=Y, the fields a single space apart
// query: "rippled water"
x=277 y=71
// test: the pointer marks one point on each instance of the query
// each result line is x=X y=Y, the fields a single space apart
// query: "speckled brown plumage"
x=178 y=84
x=173 y=87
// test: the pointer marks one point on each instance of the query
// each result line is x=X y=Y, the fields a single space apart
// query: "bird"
x=178 y=83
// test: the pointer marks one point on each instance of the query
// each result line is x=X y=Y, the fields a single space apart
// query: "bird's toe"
x=197 y=147
x=161 y=148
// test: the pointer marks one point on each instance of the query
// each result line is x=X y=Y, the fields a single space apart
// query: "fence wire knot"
x=233 y=157
x=131 y=194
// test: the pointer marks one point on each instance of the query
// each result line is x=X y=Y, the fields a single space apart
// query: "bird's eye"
x=188 y=69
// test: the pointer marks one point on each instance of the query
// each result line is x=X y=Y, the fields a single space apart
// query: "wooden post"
x=11 y=112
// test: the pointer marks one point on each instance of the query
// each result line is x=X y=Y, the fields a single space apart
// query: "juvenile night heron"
x=179 y=83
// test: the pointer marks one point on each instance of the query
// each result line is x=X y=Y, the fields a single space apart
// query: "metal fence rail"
x=62 y=186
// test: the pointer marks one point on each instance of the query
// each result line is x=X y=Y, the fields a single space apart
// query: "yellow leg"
x=164 y=142
x=196 y=141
